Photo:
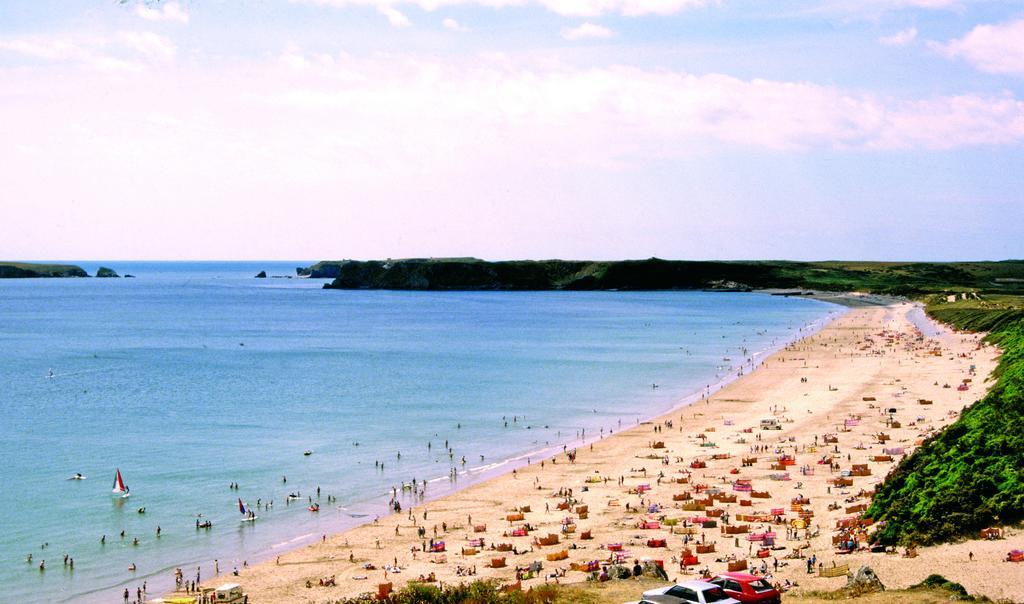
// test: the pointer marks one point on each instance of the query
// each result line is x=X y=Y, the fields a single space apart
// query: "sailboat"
x=247 y=515
x=119 y=487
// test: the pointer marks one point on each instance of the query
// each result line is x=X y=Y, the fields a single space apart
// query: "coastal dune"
x=643 y=493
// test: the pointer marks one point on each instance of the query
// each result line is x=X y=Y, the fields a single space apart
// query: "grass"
x=933 y=590
x=477 y=592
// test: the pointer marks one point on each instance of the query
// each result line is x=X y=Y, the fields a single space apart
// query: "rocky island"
x=25 y=270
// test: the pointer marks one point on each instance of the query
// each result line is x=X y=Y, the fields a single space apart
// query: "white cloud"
x=394 y=118
x=630 y=8
x=875 y=10
x=991 y=48
x=900 y=38
x=572 y=8
x=125 y=51
x=149 y=44
x=170 y=11
x=394 y=16
x=587 y=31
x=607 y=110
x=384 y=139
x=453 y=25
x=53 y=48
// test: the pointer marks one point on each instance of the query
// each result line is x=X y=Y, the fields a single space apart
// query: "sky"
x=506 y=129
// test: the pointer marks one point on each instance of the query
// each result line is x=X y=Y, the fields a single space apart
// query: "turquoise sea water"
x=196 y=375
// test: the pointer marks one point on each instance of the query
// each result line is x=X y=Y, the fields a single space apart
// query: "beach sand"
x=811 y=388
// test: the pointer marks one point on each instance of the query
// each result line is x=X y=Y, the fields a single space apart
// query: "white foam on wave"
x=291 y=541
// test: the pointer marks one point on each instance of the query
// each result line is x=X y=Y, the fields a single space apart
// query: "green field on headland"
x=970 y=475
x=896 y=278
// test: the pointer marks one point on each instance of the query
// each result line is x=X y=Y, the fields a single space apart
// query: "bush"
x=940 y=582
x=477 y=592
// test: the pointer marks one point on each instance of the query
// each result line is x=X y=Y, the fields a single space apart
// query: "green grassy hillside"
x=971 y=475
x=899 y=278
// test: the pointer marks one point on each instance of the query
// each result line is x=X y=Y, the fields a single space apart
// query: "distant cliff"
x=906 y=278
x=21 y=270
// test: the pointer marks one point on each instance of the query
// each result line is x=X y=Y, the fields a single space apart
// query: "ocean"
x=193 y=376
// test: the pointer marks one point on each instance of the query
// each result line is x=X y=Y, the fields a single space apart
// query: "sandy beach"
x=705 y=477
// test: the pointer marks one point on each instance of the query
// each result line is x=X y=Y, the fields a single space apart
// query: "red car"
x=747 y=588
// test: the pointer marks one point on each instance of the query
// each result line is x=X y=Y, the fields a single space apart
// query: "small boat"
x=77 y=476
x=119 y=487
x=314 y=508
x=293 y=496
x=307 y=453
x=247 y=515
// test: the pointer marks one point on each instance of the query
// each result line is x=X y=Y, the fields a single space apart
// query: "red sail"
x=119 y=483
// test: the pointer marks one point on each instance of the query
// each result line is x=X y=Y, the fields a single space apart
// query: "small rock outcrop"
x=129 y=276
x=616 y=571
x=261 y=275
x=105 y=272
x=653 y=570
x=864 y=581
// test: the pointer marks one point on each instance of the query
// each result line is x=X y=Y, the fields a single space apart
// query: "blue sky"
x=198 y=129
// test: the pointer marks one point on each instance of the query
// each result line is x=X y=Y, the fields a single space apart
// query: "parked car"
x=690 y=592
x=747 y=588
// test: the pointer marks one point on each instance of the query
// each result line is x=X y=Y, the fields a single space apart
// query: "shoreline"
x=473 y=476
x=491 y=499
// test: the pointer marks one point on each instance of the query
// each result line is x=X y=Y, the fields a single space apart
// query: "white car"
x=697 y=592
